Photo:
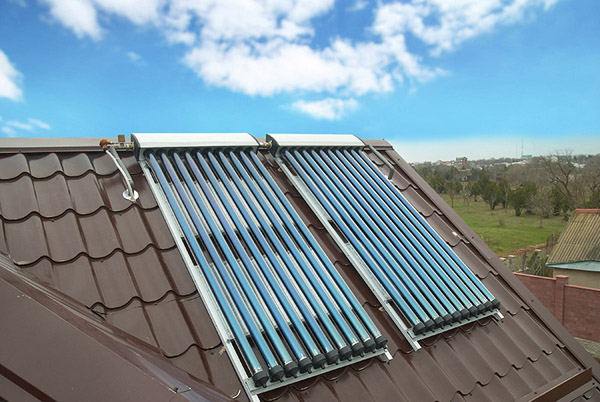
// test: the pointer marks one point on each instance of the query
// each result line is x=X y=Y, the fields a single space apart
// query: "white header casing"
x=191 y=140
x=314 y=140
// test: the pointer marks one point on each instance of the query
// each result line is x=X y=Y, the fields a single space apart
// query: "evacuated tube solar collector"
x=430 y=286
x=284 y=305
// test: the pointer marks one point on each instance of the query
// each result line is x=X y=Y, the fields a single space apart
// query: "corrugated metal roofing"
x=580 y=240
x=120 y=261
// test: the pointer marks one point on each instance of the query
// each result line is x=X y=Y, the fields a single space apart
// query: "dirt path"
x=522 y=250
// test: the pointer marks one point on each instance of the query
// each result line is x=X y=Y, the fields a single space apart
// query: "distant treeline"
x=542 y=186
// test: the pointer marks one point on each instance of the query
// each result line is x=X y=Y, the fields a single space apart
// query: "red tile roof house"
x=96 y=301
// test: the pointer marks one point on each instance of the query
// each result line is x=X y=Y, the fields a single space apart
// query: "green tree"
x=519 y=198
x=492 y=193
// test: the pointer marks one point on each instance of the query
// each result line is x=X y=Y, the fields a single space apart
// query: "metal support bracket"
x=385 y=161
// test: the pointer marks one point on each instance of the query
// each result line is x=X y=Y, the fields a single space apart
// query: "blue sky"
x=438 y=78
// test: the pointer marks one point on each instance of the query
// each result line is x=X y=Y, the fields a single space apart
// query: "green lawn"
x=504 y=231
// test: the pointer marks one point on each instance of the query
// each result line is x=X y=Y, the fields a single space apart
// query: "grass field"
x=503 y=231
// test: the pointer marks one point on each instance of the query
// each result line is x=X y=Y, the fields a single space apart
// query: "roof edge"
x=377 y=143
x=70 y=144
x=91 y=144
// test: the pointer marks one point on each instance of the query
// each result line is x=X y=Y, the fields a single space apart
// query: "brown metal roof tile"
x=417 y=200
x=375 y=159
x=131 y=163
x=380 y=383
x=532 y=339
x=156 y=227
x=131 y=231
x=103 y=164
x=401 y=181
x=512 y=386
x=76 y=164
x=432 y=374
x=131 y=319
x=352 y=387
x=212 y=366
x=86 y=194
x=406 y=377
x=155 y=272
x=396 y=342
x=444 y=228
x=113 y=276
x=54 y=349
x=25 y=240
x=455 y=366
x=119 y=277
x=56 y=231
x=473 y=260
x=98 y=234
x=13 y=165
x=75 y=278
x=13 y=208
x=44 y=165
x=532 y=376
x=461 y=362
x=318 y=390
x=490 y=351
x=53 y=197
x=102 y=237
x=172 y=324
x=509 y=301
x=503 y=341
x=179 y=329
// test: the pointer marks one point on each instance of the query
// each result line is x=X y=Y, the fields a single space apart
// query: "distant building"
x=577 y=253
x=461 y=162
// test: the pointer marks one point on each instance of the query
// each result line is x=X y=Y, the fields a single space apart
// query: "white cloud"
x=358 y=5
x=445 y=24
x=80 y=16
x=39 y=123
x=328 y=108
x=19 y=125
x=13 y=127
x=263 y=47
x=10 y=132
x=133 y=56
x=10 y=78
